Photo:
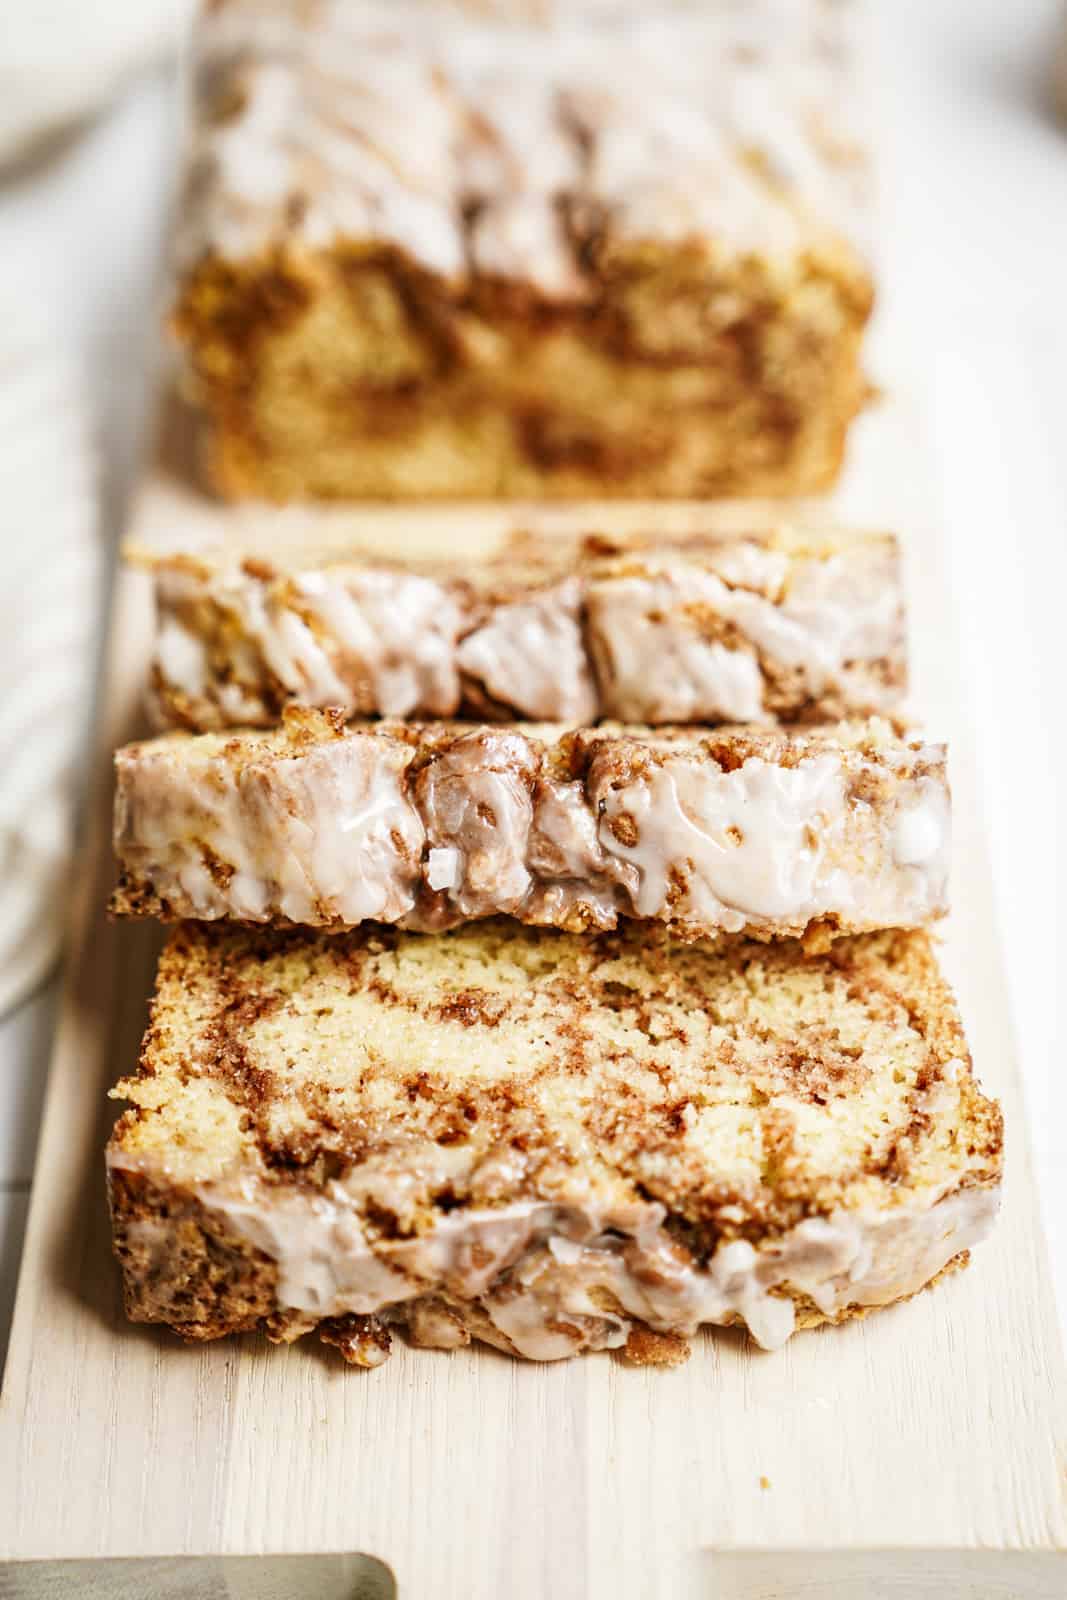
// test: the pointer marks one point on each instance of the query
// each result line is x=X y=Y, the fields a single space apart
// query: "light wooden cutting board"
x=917 y=1453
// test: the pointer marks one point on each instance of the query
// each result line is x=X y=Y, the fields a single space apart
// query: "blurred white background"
x=975 y=231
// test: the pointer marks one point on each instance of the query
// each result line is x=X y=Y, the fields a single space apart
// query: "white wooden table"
x=976 y=181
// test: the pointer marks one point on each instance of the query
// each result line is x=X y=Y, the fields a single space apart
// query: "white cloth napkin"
x=61 y=60
x=1059 y=69
x=49 y=600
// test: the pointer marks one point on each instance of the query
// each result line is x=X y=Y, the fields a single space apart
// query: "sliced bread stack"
x=561 y=1036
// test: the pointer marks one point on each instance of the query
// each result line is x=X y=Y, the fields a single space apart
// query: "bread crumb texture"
x=743 y=1086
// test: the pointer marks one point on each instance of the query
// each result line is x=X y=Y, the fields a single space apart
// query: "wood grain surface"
x=919 y=1452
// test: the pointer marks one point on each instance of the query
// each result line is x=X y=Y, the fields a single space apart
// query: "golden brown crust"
x=182 y=1265
x=646 y=1348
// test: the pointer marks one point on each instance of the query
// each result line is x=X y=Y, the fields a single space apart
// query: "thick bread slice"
x=774 y=623
x=331 y=825
x=549 y=1142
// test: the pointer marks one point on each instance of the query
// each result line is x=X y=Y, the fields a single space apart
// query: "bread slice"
x=330 y=825
x=547 y=1142
x=778 y=622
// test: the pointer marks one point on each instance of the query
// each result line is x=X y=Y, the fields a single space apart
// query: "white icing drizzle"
x=753 y=845
x=324 y=836
x=653 y=662
x=395 y=121
x=538 y=1271
x=332 y=831
x=531 y=654
x=400 y=628
x=921 y=824
x=526 y=228
x=835 y=611
x=373 y=640
x=181 y=657
x=475 y=799
x=649 y=634
x=290 y=650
